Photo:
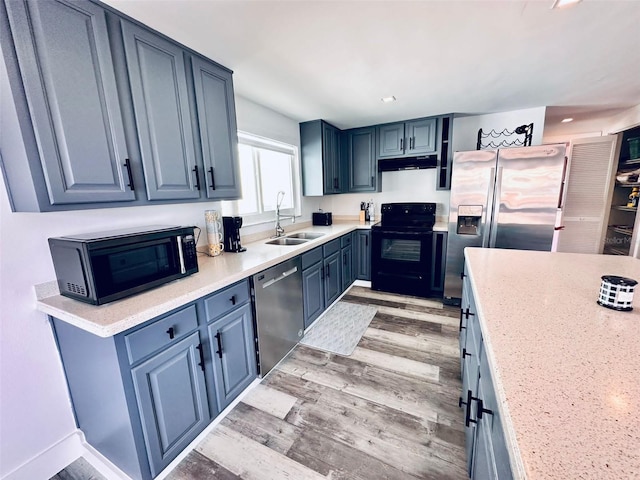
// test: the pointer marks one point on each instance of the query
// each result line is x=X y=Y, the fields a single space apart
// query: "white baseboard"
x=101 y=464
x=362 y=283
x=49 y=462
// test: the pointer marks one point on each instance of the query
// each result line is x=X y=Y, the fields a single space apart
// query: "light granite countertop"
x=566 y=370
x=214 y=274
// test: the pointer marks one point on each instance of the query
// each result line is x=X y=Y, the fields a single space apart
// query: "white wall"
x=465 y=128
x=403 y=186
x=35 y=410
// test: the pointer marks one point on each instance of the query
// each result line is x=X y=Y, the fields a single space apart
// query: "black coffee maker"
x=231 y=227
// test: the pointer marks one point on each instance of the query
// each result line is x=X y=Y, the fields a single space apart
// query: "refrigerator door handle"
x=495 y=209
x=489 y=210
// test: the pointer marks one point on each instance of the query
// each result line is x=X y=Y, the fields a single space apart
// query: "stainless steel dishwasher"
x=279 y=312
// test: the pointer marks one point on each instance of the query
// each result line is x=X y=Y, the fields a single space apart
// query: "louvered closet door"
x=589 y=188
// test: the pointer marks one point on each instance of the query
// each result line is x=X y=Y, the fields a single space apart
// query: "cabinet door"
x=218 y=131
x=163 y=118
x=172 y=400
x=391 y=140
x=331 y=159
x=363 y=245
x=69 y=81
x=363 y=174
x=332 y=278
x=313 y=292
x=421 y=137
x=347 y=267
x=438 y=258
x=233 y=353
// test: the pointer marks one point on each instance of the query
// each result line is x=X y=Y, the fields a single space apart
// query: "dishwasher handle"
x=281 y=277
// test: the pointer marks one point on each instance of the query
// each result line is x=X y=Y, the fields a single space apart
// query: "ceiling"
x=336 y=59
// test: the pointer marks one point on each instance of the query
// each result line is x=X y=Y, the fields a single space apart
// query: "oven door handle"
x=404 y=233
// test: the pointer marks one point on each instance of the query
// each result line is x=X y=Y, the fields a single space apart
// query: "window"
x=266 y=168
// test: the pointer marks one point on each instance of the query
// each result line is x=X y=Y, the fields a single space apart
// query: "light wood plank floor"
x=388 y=411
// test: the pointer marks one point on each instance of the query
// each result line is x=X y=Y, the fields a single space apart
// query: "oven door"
x=401 y=261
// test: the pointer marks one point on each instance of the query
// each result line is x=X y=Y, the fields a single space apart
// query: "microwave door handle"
x=183 y=270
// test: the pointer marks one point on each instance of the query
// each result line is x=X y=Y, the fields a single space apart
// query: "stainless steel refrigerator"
x=506 y=198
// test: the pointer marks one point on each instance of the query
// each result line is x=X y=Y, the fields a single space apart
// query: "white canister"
x=617 y=292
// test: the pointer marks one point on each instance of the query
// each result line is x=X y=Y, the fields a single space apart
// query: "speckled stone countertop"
x=566 y=370
x=214 y=274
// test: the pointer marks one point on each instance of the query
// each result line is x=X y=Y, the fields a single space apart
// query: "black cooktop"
x=409 y=216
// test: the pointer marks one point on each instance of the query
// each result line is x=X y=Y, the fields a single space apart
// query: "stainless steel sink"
x=306 y=235
x=286 y=241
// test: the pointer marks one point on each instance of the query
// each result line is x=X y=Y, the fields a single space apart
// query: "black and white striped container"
x=617 y=292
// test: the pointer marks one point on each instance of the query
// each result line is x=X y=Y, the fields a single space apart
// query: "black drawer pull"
x=462 y=275
x=461 y=327
x=172 y=333
x=467 y=313
x=233 y=300
x=480 y=409
x=465 y=353
x=199 y=347
x=219 y=339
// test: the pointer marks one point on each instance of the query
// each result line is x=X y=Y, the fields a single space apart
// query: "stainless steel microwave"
x=102 y=267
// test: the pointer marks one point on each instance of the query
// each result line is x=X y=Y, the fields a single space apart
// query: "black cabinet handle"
x=467 y=413
x=480 y=409
x=172 y=333
x=213 y=180
x=233 y=300
x=321 y=273
x=195 y=170
x=344 y=258
x=328 y=271
x=373 y=180
x=402 y=144
x=127 y=164
x=465 y=353
x=462 y=275
x=467 y=313
x=199 y=347
x=461 y=327
x=219 y=339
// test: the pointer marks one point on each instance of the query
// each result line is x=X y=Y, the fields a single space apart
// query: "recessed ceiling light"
x=567 y=120
x=564 y=3
x=388 y=99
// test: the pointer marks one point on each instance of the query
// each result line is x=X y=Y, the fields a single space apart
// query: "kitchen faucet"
x=279 y=229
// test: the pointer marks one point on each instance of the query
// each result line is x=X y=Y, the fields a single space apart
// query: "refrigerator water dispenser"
x=469 y=219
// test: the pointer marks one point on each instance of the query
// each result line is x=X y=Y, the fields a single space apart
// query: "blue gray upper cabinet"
x=363 y=172
x=217 y=122
x=407 y=139
x=76 y=118
x=321 y=157
x=158 y=81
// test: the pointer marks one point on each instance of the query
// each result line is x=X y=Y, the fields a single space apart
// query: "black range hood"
x=409 y=163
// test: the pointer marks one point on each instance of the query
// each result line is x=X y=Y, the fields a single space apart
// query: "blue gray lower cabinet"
x=313 y=292
x=143 y=395
x=233 y=352
x=327 y=271
x=487 y=454
x=363 y=254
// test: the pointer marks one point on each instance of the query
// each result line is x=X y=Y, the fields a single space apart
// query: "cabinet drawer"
x=345 y=240
x=226 y=300
x=331 y=247
x=161 y=333
x=312 y=257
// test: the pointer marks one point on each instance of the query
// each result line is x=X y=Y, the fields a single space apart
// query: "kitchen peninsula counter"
x=214 y=274
x=566 y=370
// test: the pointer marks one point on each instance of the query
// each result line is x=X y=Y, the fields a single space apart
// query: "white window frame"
x=230 y=207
